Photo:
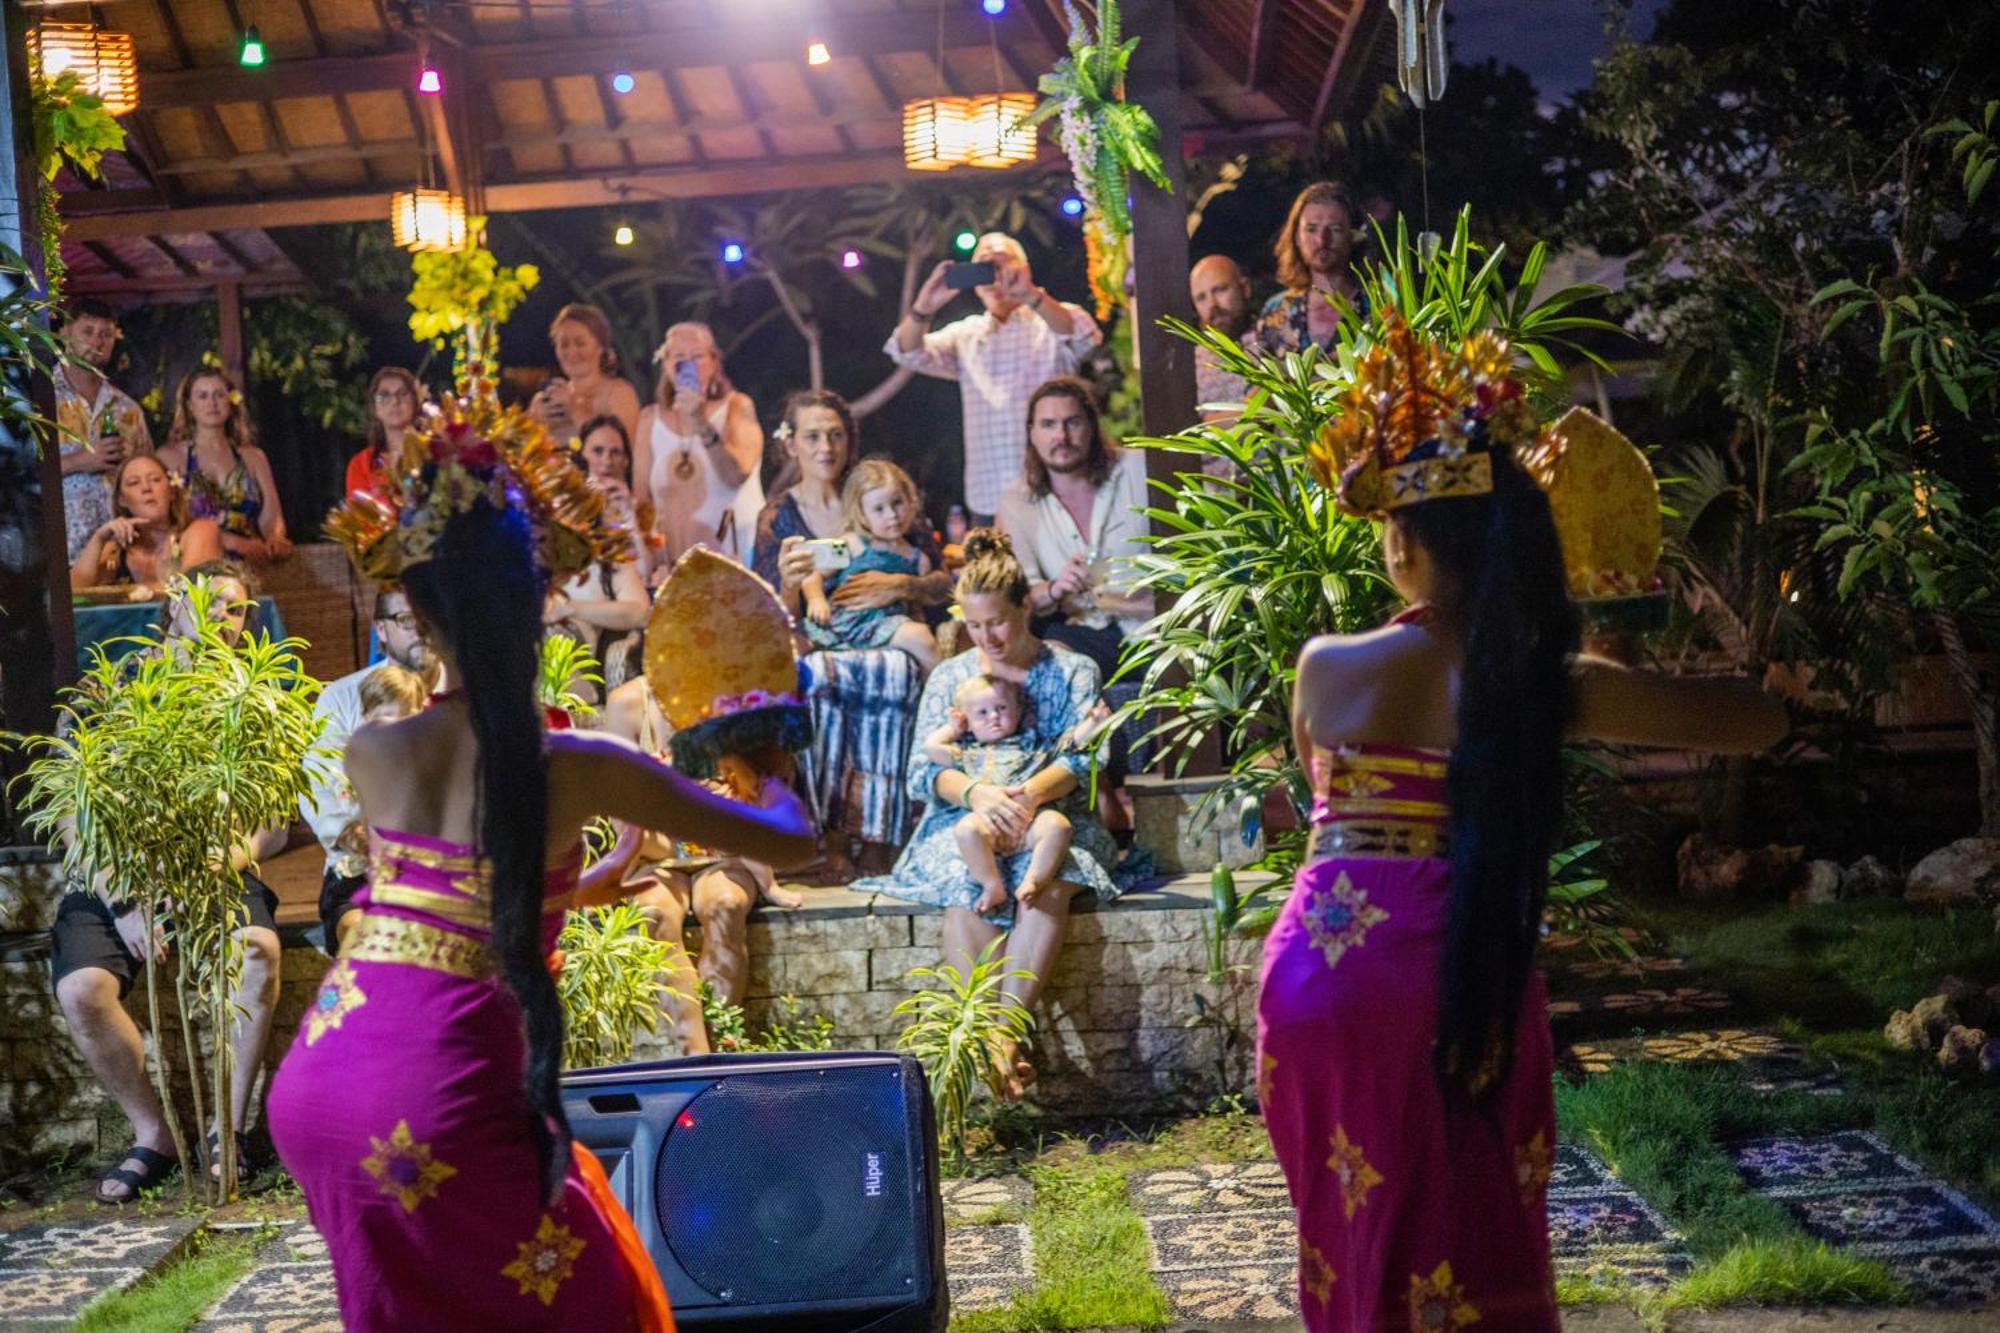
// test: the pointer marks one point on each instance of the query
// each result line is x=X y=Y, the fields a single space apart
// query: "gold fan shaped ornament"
x=470 y=450
x=1421 y=420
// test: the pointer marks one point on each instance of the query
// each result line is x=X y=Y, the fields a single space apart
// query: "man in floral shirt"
x=99 y=424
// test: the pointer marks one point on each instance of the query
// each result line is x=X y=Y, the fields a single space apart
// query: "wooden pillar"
x=1159 y=235
x=37 y=633
x=229 y=329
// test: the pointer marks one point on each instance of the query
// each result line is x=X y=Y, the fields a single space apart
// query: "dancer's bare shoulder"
x=1396 y=684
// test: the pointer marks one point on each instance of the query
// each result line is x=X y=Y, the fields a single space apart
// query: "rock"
x=1968 y=1000
x=1707 y=869
x=1821 y=884
x=1968 y=869
x=1958 y=1053
x=1904 y=1032
x=1989 y=1060
x=1869 y=878
x=1934 y=1016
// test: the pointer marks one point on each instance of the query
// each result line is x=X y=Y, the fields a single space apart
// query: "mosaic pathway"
x=1852 y=1190
x=49 y=1273
x=1599 y=1228
x=1769 y=1062
x=289 y=1291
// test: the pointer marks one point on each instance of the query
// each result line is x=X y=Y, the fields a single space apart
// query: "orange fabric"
x=650 y=1311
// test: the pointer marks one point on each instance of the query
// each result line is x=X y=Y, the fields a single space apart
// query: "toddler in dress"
x=991 y=710
x=879 y=502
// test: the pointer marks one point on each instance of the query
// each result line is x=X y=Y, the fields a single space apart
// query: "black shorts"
x=336 y=896
x=85 y=935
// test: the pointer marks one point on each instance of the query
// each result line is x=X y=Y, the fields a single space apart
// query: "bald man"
x=1222 y=302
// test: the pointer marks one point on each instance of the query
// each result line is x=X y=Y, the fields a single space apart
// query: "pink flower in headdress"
x=1494 y=393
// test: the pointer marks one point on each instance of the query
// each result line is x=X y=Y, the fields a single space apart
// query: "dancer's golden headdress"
x=471 y=450
x=1422 y=420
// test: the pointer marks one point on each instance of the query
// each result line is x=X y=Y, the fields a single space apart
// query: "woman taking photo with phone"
x=699 y=452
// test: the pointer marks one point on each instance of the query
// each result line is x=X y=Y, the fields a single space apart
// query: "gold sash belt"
x=1388 y=838
x=394 y=939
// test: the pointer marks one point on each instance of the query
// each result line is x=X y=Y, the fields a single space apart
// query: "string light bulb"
x=622 y=82
x=623 y=235
x=732 y=252
x=850 y=259
x=994 y=7
x=965 y=240
x=429 y=81
x=251 y=53
x=817 y=54
x=1072 y=206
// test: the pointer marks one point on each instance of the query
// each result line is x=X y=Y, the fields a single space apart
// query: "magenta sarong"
x=400 y=1111
x=1409 y=1219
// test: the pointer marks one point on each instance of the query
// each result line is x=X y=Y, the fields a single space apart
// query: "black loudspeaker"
x=787 y=1191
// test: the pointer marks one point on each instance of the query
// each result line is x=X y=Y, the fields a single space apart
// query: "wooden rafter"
x=1263 y=43
x=1363 y=21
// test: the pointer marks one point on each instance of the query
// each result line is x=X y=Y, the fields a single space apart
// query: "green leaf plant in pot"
x=166 y=764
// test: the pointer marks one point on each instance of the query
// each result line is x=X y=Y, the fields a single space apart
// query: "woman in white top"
x=699 y=451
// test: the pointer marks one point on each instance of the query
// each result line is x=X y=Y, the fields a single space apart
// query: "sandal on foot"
x=154 y=1168
x=246 y=1161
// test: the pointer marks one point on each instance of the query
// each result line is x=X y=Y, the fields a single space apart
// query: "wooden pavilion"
x=548 y=104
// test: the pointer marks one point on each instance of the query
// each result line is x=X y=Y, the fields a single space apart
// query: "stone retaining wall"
x=1129 y=1022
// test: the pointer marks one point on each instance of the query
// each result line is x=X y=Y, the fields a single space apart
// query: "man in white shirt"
x=333 y=812
x=998 y=358
x=1075 y=519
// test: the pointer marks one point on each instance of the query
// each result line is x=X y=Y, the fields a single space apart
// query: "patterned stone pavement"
x=50 y=1272
x=289 y=1291
x=1601 y=1229
x=1852 y=1190
x=1769 y=1062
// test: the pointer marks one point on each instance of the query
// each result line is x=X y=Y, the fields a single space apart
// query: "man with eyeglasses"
x=334 y=814
x=1313 y=254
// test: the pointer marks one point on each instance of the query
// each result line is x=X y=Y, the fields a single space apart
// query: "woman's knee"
x=722 y=901
x=261 y=952
x=666 y=912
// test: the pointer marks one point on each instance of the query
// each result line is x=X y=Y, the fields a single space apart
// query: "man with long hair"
x=1315 y=253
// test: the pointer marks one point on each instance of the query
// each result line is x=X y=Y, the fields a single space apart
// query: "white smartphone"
x=829 y=553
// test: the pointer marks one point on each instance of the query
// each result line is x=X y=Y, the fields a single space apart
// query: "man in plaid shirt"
x=998 y=358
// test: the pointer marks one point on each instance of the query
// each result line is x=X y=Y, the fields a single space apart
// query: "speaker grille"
x=784 y=1184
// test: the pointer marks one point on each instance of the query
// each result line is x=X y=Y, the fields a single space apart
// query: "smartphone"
x=829 y=553
x=962 y=277
x=687 y=375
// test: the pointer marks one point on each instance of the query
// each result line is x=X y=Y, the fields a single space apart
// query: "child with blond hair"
x=991 y=710
x=879 y=502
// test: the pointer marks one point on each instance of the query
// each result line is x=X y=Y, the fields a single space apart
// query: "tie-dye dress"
x=1409 y=1219
x=400 y=1111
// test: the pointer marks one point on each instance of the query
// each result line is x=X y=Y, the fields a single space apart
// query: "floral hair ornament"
x=471 y=451
x=720 y=660
x=1420 y=422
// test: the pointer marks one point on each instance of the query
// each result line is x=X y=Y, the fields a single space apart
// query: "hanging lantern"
x=995 y=135
x=935 y=134
x=427 y=219
x=104 y=62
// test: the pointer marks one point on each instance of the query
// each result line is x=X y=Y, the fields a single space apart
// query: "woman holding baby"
x=1024 y=707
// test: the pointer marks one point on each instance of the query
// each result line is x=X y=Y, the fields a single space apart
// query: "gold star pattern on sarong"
x=1356 y=1176
x=1316 y=1275
x=1359 y=785
x=545 y=1262
x=1438 y=1303
x=1533 y=1161
x=1339 y=918
x=338 y=996
x=404 y=1169
x=1267 y=1064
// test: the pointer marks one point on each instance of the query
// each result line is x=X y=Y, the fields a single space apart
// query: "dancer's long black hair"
x=481 y=594
x=1500 y=566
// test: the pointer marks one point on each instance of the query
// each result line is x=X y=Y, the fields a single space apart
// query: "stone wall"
x=1129 y=1023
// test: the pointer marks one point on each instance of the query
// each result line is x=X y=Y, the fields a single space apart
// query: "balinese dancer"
x=1404 y=1056
x=418 y=1106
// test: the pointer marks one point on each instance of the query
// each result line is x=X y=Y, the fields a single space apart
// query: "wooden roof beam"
x=716 y=45
x=1358 y=35
x=1263 y=43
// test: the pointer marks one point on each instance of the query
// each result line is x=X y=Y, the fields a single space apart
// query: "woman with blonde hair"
x=698 y=451
x=151 y=535
x=228 y=478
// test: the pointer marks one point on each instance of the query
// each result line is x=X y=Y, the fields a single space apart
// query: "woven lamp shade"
x=427 y=220
x=104 y=62
x=996 y=137
x=936 y=135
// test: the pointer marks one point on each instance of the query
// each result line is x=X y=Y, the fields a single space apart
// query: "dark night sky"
x=1553 y=40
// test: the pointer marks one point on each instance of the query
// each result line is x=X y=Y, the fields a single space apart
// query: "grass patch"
x=1090 y=1256
x=178 y=1295
x=1792 y=1270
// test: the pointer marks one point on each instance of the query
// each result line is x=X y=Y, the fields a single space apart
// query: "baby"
x=879 y=503
x=389 y=692
x=991 y=710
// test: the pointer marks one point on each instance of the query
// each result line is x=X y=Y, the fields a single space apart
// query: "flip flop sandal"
x=154 y=1169
x=247 y=1164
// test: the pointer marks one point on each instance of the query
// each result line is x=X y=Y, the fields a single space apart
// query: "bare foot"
x=992 y=900
x=1031 y=888
x=1012 y=1074
x=778 y=895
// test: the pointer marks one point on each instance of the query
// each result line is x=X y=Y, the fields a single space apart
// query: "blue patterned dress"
x=864 y=627
x=1060 y=689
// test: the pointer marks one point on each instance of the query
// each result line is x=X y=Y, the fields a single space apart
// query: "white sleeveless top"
x=695 y=505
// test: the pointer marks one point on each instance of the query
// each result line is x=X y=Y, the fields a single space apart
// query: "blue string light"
x=994 y=7
x=732 y=252
x=1073 y=206
x=622 y=82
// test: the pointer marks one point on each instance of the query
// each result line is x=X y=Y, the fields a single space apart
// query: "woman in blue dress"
x=1060 y=688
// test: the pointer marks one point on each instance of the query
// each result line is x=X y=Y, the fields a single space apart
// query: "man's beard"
x=1077 y=461
x=1233 y=321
